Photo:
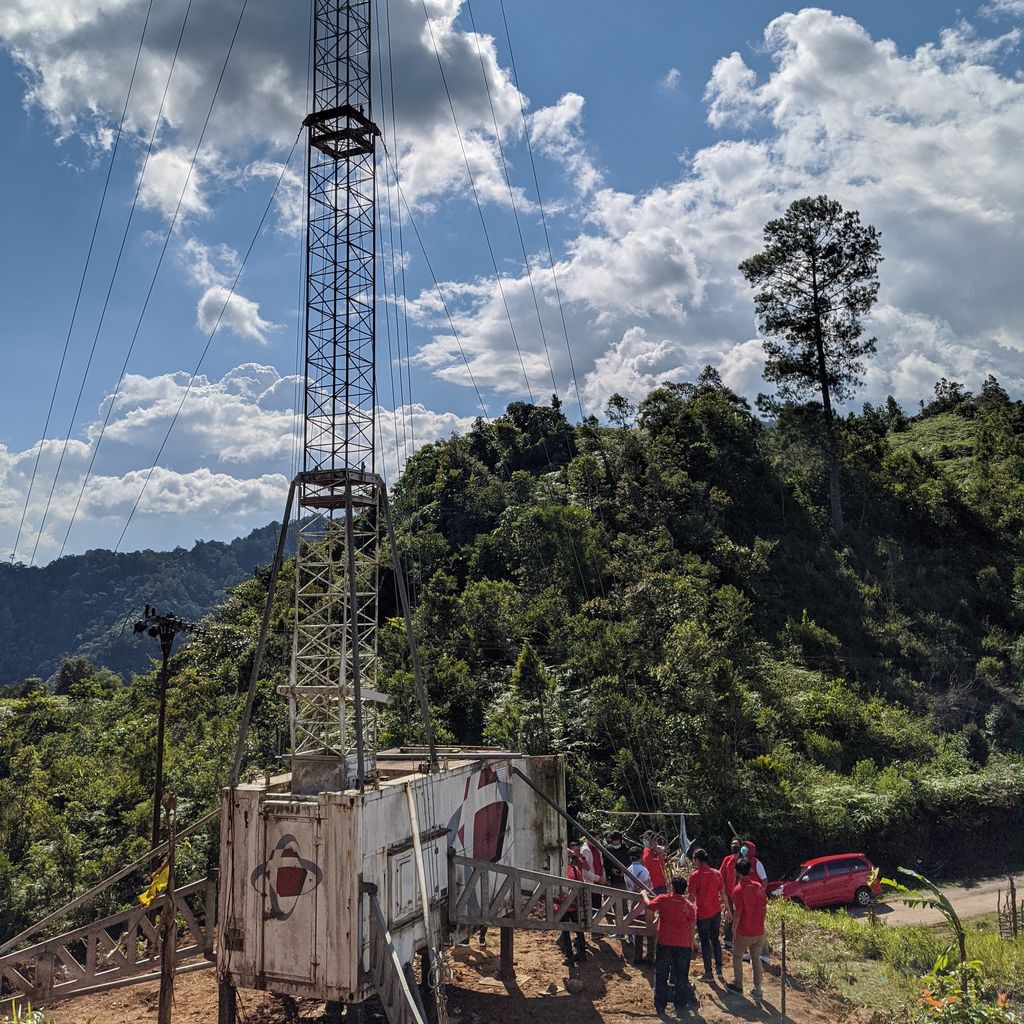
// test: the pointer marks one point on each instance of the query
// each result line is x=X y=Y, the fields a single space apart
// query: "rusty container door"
x=540 y=834
x=338 y=898
x=287 y=878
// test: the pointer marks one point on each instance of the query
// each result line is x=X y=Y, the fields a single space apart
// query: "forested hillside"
x=663 y=601
x=705 y=642
x=78 y=604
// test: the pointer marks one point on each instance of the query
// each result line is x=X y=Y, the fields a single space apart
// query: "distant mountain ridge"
x=85 y=604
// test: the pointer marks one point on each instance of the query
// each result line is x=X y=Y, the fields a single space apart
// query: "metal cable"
x=209 y=340
x=479 y=205
x=540 y=206
x=110 y=285
x=156 y=272
x=81 y=283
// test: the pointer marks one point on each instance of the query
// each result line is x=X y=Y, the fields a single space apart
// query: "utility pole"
x=163 y=629
x=168 y=920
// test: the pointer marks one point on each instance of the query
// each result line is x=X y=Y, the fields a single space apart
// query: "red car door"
x=814 y=886
x=838 y=888
x=859 y=878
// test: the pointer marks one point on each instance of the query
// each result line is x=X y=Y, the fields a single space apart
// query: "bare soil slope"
x=613 y=992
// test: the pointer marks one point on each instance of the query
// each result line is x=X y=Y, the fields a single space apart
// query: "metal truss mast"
x=332 y=689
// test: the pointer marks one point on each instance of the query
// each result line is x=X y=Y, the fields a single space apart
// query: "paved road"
x=970 y=900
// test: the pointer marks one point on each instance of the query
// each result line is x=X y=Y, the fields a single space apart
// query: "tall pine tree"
x=818 y=276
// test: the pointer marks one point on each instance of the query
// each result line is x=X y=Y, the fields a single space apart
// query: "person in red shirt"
x=654 y=860
x=708 y=891
x=676 y=919
x=750 y=903
x=574 y=872
x=728 y=871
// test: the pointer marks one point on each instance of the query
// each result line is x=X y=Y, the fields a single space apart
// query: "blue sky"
x=663 y=140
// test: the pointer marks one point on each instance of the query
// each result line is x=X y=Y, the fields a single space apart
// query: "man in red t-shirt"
x=654 y=860
x=676 y=919
x=707 y=889
x=728 y=871
x=750 y=902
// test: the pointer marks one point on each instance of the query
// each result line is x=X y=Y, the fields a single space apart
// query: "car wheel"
x=862 y=897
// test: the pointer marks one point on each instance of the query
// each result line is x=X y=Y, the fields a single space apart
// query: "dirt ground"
x=972 y=899
x=613 y=992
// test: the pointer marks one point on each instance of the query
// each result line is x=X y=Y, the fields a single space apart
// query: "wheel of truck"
x=862 y=897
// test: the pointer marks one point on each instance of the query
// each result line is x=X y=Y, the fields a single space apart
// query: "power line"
x=110 y=284
x=540 y=205
x=511 y=195
x=81 y=283
x=209 y=341
x=152 y=283
x=479 y=205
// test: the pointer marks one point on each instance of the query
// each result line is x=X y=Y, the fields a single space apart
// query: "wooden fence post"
x=782 y=974
x=43 y=977
x=507 y=967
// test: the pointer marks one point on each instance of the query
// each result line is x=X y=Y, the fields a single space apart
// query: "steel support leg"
x=227 y=1003
x=507 y=967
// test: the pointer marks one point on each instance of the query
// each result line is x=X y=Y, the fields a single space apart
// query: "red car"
x=824 y=881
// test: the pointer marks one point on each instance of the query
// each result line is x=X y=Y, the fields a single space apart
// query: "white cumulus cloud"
x=224 y=470
x=924 y=144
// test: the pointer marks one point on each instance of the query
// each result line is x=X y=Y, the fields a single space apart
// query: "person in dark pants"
x=708 y=892
x=677 y=917
x=574 y=872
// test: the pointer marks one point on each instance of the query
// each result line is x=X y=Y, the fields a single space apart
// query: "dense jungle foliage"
x=660 y=599
x=78 y=605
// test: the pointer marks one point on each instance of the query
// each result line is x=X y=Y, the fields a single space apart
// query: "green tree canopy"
x=818 y=276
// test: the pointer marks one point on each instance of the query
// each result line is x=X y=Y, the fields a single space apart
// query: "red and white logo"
x=285 y=876
x=478 y=829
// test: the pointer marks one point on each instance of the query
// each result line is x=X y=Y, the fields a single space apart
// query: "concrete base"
x=318 y=773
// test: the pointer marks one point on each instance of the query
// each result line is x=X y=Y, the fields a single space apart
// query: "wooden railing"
x=484 y=894
x=122 y=949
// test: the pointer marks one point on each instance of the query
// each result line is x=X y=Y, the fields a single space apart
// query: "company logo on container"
x=481 y=823
x=285 y=876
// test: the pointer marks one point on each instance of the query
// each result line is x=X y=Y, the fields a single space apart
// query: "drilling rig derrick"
x=332 y=693
x=336 y=876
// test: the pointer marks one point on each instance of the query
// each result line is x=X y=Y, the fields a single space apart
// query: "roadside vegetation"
x=892 y=969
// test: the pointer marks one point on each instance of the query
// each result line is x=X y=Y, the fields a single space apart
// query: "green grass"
x=947 y=438
x=880 y=965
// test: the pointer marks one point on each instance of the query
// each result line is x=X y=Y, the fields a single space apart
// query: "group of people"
x=679 y=911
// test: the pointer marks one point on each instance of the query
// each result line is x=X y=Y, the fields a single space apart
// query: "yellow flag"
x=157 y=886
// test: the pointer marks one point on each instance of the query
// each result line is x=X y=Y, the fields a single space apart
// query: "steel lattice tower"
x=334 y=655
